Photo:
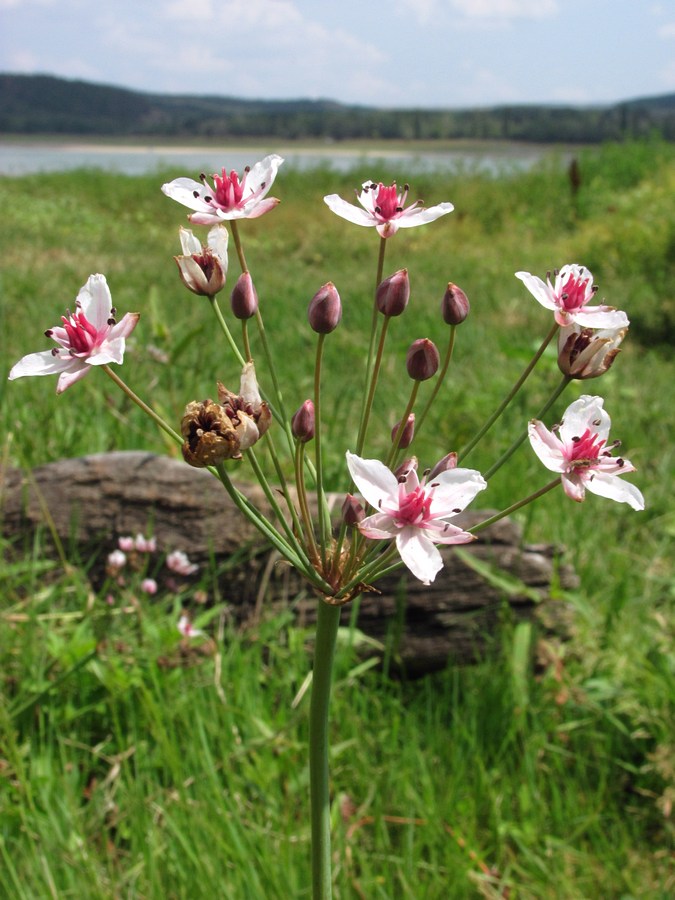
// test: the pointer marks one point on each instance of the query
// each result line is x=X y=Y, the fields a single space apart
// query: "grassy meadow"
x=132 y=766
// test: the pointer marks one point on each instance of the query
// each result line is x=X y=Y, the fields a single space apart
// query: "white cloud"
x=667 y=31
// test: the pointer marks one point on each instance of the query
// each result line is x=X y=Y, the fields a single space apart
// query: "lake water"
x=34 y=157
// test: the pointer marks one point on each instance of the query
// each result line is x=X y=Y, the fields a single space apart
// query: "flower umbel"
x=384 y=208
x=580 y=453
x=229 y=197
x=569 y=296
x=88 y=337
x=414 y=513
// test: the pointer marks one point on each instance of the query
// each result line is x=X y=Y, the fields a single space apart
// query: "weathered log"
x=95 y=499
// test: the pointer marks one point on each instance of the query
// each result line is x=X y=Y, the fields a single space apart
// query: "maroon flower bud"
x=325 y=309
x=407 y=434
x=423 y=359
x=352 y=511
x=393 y=293
x=302 y=423
x=455 y=305
x=449 y=461
x=244 y=297
x=406 y=466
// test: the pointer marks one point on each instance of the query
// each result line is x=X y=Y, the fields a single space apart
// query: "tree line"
x=42 y=104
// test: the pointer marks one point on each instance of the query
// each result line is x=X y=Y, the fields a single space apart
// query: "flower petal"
x=373 y=479
x=188 y=192
x=95 y=301
x=584 y=414
x=348 y=211
x=600 y=317
x=414 y=216
x=573 y=485
x=614 y=488
x=539 y=290
x=547 y=446
x=419 y=554
x=67 y=378
x=42 y=363
x=379 y=527
x=454 y=489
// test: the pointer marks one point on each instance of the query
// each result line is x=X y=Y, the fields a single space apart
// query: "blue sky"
x=426 y=53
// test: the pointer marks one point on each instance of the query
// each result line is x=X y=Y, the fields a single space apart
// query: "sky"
x=422 y=53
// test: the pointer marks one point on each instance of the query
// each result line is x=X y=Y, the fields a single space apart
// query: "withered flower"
x=588 y=352
x=214 y=432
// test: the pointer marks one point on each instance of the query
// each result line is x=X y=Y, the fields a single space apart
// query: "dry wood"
x=91 y=501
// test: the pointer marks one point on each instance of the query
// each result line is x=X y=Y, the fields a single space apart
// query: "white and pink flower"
x=178 y=561
x=187 y=629
x=414 y=513
x=384 y=208
x=88 y=337
x=579 y=451
x=229 y=197
x=569 y=295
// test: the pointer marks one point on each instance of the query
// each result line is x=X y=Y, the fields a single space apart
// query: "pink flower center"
x=229 y=192
x=82 y=335
x=585 y=450
x=574 y=293
x=414 y=507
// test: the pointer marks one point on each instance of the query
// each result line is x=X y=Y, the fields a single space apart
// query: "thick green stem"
x=319 y=786
x=509 y=397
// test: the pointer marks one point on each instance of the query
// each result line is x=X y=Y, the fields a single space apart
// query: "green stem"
x=439 y=381
x=542 y=412
x=244 y=337
x=391 y=456
x=371 y=346
x=509 y=397
x=328 y=619
x=324 y=526
x=158 y=420
x=226 y=331
x=368 y=405
x=237 y=243
x=511 y=509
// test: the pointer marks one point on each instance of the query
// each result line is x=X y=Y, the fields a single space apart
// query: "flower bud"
x=302 y=423
x=588 y=352
x=455 y=305
x=393 y=293
x=352 y=511
x=408 y=465
x=244 y=298
x=423 y=359
x=407 y=434
x=449 y=461
x=325 y=309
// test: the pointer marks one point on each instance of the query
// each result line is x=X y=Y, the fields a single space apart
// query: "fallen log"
x=91 y=501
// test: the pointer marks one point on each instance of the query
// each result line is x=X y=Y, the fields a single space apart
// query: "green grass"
x=133 y=767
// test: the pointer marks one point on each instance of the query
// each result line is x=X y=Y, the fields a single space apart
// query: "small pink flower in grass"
x=117 y=560
x=384 y=208
x=149 y=586
x=569 y=296
x=88 y=337
x=229 y=197
x=415 y=513
x=179 y=562
x=579 y=451
x=186 y=627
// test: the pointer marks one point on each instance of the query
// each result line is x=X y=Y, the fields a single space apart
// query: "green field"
x=132 y=769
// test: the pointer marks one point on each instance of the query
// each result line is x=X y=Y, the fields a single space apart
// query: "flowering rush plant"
x=397 y=510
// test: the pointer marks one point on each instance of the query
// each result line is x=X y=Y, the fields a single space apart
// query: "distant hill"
x=44 y=104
